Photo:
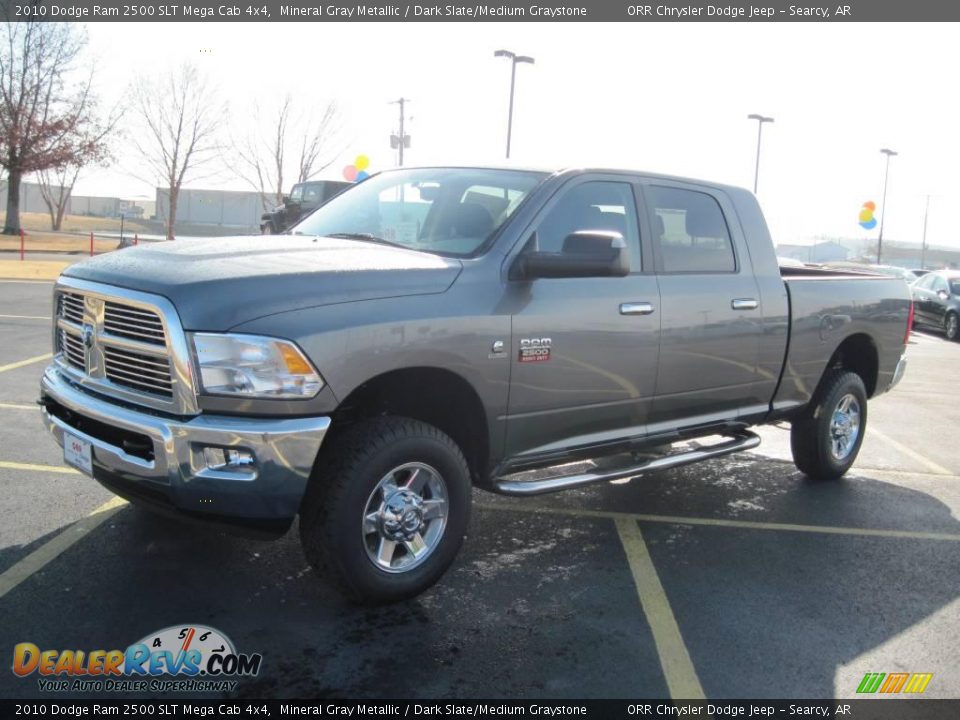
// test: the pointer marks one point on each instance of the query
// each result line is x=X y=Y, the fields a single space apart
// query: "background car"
x=303 y=199
x=936 y=298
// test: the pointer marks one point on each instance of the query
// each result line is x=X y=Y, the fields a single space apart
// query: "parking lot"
x=730 y=579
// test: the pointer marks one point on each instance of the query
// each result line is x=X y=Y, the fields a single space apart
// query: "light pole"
x=883 y=205
x=760 y=121
x=514 y=59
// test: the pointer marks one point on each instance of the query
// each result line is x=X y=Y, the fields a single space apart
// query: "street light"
x=883 y=205
x=514 y=58
x=760 y=121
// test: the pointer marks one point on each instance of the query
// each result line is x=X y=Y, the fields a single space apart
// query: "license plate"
x=78 y=453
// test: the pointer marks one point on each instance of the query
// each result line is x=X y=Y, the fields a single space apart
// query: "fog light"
x=227 y=458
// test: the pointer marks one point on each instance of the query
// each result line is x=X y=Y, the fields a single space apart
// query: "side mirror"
x=586 y=253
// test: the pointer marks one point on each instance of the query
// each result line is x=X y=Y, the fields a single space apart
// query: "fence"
x=31 y=243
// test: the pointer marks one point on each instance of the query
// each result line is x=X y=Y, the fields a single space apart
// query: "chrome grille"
x=72 y=348
x=110 y=343
x=140 y=372
x=71 y=307
x=134 y=323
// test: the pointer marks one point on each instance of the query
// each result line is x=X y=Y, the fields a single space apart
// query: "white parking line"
x=51 y=549
x=27 y=317
x=17 y=406
x=910 y=452
x=24 y=363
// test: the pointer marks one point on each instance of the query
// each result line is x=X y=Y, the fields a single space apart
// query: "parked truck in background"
x=432 y=330
x=303 y=199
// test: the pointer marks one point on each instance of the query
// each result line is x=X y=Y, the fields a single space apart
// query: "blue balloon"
x=869 y=224
x=362 y=175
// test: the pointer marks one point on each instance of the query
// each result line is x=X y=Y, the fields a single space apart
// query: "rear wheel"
x=951 y=326
x=826 y=438
x=387 y=509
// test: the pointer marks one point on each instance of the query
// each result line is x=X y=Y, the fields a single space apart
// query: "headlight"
x=254 y=366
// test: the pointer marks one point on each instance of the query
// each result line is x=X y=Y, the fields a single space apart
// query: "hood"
x=216 y=283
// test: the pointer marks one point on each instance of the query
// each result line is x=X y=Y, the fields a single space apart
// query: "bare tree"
x=180 y=117
x=43 y=123
x=285 y=142
x=56 y=183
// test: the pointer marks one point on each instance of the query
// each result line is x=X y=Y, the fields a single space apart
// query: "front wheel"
x=826 y=438
x=951 y=326
x=387 y=509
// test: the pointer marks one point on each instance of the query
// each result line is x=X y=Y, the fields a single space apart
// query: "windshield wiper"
x=365 y=237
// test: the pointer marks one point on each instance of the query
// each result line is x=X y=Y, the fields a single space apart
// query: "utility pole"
x=923 y=247
x=883 y=215
x=401 y=140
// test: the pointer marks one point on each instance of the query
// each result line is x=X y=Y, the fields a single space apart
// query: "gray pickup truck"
x=435 y=329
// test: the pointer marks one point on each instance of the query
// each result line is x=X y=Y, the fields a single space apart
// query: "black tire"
x=266 y=229
x=951 y=326
x=811 y=437
x=346 y=475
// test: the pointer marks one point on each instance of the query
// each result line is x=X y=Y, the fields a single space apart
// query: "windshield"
x=955 y=287
x=449 y=211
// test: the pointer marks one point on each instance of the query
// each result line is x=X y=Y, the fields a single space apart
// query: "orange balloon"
x=870 y=205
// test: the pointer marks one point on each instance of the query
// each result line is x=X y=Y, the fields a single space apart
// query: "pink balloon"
x=350 y=173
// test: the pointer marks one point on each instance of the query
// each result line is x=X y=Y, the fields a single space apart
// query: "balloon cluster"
x=358 y=171
x=867 y=220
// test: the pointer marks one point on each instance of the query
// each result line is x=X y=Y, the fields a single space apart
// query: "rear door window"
x=690 y=232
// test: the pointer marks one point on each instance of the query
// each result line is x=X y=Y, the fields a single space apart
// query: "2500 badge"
x=535 y=349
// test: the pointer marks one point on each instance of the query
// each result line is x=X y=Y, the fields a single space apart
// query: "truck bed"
x=865 y=312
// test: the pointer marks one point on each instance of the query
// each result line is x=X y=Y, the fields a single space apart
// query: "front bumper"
x=160 y=461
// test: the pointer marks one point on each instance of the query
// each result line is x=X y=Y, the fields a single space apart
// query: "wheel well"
x=435 y=396
x=858 y=354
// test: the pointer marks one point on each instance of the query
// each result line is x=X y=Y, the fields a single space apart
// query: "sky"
x=669 y=98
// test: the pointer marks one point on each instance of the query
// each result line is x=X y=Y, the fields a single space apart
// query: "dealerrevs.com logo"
x=184 y=658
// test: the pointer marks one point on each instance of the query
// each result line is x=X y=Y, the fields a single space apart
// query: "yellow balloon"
x=362 y=162
x=866 y=216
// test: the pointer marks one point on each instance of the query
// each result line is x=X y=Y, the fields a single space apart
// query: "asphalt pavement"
x=733 y=578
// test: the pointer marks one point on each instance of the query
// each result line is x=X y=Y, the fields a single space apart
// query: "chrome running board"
x=739 y=441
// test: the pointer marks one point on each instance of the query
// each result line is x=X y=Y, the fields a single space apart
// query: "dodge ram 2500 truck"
x=434 y=329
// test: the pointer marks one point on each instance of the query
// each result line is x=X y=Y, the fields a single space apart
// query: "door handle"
x=744 y=304
x=636 y=308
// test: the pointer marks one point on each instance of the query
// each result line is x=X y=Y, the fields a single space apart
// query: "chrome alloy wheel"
x=405 y=517
x=844 y=427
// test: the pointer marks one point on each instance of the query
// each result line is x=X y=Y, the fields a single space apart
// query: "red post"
x=136 y=239
x=22 y=234
x=91 y=244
